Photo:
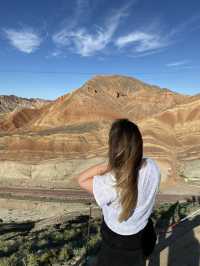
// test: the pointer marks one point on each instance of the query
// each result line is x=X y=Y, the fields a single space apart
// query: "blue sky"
x=48 y=47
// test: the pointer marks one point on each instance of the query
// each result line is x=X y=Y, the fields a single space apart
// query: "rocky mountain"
x=12 y=103
x=17 y=111
x=106 y=98
x=51 y=143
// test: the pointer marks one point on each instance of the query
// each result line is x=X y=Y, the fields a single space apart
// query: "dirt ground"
x=180 y=188
x=21 y=210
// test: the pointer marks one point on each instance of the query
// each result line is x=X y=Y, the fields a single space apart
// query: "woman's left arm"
x=85 y=178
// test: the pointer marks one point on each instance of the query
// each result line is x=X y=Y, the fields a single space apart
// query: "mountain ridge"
x=12 y=102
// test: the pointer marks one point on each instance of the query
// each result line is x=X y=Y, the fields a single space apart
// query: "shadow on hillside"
x=16 y=227
x=178 y=245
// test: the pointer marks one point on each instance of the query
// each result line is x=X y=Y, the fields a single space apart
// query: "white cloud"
x=82 y=42
x=142 y=41
x=25 y=40
x=153 y=38
x=178 y=63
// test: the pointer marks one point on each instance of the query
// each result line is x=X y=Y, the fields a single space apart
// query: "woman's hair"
x=125 y=156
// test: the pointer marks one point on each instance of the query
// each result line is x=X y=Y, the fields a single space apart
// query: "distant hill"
x=11 y=102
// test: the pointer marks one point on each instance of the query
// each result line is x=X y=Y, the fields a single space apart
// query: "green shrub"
x=32 y=260
x=57 y=236
x=68 y=234
x=79 y=251
x=42 y=242
x=93 y=244
x=45 y=257
x=65 y=253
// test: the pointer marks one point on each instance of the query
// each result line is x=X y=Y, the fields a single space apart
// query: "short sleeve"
x=102 y=190
x=152 y=181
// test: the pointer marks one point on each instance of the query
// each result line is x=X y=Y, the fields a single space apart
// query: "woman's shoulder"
x=150 y=161
x=110 y=177
x=153 y=170
x=154 y=164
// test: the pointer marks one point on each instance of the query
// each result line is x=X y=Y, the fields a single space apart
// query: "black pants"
x=130 y=250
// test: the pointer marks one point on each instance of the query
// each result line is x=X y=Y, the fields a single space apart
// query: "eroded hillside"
x=72 y=131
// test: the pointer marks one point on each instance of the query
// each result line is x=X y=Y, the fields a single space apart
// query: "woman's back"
x=106 y=197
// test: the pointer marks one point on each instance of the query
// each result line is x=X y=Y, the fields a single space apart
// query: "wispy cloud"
x=56 y=54
x=181 y=65
x=178 y=63
x=85 y=43
x=145 y=40
x=153 y=38
x=25 y=39
x=80 y=12
x=142 y=41
x=189 y=25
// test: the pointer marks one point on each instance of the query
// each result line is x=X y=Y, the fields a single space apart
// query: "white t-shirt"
x=106 y=197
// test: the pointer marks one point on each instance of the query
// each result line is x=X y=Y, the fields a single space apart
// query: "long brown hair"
x=125 y=156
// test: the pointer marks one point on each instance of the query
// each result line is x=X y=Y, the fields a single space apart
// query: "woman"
x=125 y=189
